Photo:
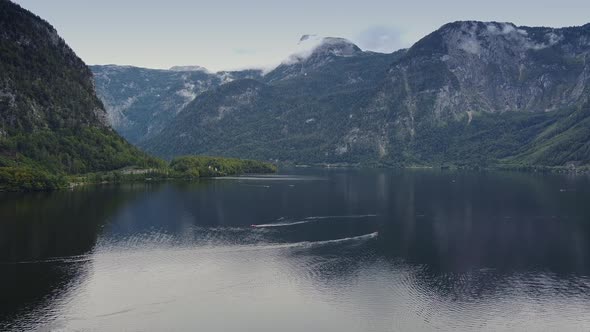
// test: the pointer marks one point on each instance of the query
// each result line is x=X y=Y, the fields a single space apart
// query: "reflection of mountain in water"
x=512 y=222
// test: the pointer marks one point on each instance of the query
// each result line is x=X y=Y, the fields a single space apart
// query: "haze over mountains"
x=468 y=93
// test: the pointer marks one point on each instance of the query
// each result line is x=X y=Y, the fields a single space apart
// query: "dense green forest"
x=71 y=151
x=181 y=168
x=31 y=178
x=203 y=166
x=44 y=159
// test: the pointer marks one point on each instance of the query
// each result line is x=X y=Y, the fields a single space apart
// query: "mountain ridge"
x=440 y=101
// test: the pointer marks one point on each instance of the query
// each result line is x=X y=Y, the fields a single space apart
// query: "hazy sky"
x=226 y=34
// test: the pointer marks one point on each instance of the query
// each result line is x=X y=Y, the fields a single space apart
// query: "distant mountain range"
x=470 y=93
x=140 y=102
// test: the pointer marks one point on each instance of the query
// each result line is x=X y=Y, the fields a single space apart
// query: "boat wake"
x=310 y=220
x=346 y=239
x=120 y=254
x=53 y=260
x=282 y=224
x=312 y=244
x=353 y=216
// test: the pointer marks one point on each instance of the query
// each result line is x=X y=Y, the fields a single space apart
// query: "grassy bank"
x=182 y=168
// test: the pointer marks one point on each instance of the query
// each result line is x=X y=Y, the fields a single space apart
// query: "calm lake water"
x=330 y=250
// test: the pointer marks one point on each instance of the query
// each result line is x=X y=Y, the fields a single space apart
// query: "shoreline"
x=498 y=167
x=152 y=175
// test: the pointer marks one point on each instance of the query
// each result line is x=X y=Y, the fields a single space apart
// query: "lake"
x=305 y=250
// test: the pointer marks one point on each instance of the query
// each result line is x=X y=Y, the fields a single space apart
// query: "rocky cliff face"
x=43 y=84
x=469 y=70
x=140 y=101
x=470 y=67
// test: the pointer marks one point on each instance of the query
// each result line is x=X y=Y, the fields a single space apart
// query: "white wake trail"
x=353 y=216
x=283 y=224
x=310 y=220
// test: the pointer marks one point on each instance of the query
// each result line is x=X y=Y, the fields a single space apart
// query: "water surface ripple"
x=317 y=250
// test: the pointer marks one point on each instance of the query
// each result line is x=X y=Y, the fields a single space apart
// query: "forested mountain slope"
x=50 y=117
x=470 y=93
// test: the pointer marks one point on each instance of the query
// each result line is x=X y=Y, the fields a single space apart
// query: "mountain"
x=141 y=101
x=50 y=117
x=497 y=67
x=477 y=91
x=469 y=93
x=296 y=112
x=317 y=55
x=188 y=68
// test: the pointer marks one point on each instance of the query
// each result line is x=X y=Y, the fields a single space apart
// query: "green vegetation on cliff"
x=52 y=124
x=202 y=166
x=181 y=168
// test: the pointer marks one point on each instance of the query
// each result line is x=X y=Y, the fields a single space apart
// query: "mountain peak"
x=485 y=29
x=338 y=47
x=313 y=46
x=475 y=37
x=189 y=68
x=313 y=52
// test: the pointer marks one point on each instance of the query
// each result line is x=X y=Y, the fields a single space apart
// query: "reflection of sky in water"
x=456 y=251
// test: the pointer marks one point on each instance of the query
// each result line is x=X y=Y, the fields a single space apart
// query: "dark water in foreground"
x=334 y=250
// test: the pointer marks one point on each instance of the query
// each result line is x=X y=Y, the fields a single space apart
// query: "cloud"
x=244 y=51
x=304 y=48
x=521 y=36
x=504 y=29
x=306 y=37
x=380 y=39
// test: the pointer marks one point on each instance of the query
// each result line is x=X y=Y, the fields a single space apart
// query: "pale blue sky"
x=227 y=34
